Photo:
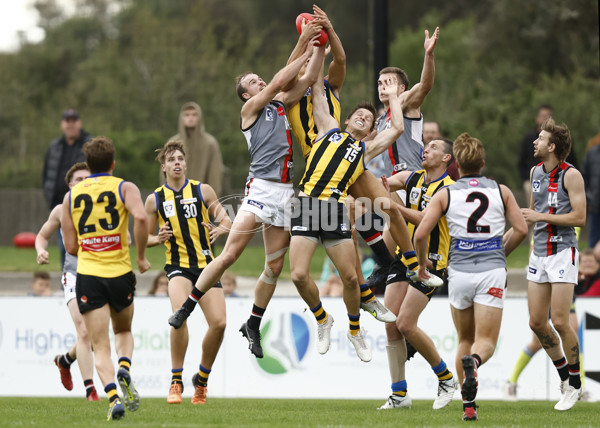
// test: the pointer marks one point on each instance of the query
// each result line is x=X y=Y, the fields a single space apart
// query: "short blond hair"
x=469 y=153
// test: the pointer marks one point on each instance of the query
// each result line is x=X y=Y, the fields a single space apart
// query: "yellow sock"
x=521 y=363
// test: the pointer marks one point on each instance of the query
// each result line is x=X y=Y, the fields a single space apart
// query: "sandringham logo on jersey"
x=536 y=185
x=487 y=245
x=188 y=201
x=435 y=256
x=101 y=243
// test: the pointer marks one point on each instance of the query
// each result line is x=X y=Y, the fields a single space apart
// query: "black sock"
x=374 y=239
x=574 y=376
x=66 y=360
x=256 y=317
x=190 y=303
x=563 y=368
x=89 y=386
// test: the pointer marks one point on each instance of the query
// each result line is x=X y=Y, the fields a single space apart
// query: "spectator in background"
x=160 y=285
x=229 y=283
x=63 y=153
x=591 y=178
x=589 y=275
x=202 y=152
x=40 y=285
x=526 y=158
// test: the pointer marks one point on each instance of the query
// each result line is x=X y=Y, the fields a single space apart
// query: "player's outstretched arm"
x=217 y=212
x=336 y=74
x=323 y=119
x=385 y=138
x=414 y=98
x=133 y=203
x=254 y=105
x=314 y=72
x=68 y=228
x=49 y=228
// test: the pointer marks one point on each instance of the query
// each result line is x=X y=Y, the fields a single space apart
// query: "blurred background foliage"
x=129 y=65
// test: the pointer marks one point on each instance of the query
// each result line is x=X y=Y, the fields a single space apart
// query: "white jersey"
x=476 y=221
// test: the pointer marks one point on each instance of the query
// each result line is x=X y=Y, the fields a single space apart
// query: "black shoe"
x=179 y=317
x=253 y=337
x=377 y=280
x=469 y=386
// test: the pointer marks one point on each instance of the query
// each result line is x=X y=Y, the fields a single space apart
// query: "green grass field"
x=62 y=412
x=249 y=264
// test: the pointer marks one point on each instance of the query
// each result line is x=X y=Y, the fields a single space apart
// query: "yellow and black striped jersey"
x=101 y=219
x=418 y=195
x=334 y=163
x=301 y=118
x=185 y=210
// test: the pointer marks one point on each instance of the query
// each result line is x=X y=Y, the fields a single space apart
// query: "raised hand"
x=322 y=18
x=390 y=86
x=213 y=231
x=431 y=41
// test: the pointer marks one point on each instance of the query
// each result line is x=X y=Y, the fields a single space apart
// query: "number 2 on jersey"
x=484 y=203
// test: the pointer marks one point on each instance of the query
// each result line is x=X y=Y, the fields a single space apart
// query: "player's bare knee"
x=561 y=325
x=218 y=326
x=537 y=325
x=300 y=277
x=405 y=326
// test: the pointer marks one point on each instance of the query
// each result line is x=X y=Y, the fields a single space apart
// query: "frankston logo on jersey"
x=101 y=243
x=473 y=182
x=169 y=207
x=535 y=185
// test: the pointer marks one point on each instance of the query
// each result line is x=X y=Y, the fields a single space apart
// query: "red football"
x=323 y=37
x=24 y=240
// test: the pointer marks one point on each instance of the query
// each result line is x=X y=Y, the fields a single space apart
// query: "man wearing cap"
x=63 y=153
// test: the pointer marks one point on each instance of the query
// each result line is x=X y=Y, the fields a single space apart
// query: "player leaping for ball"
x=269 y=187
x=336 y=160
